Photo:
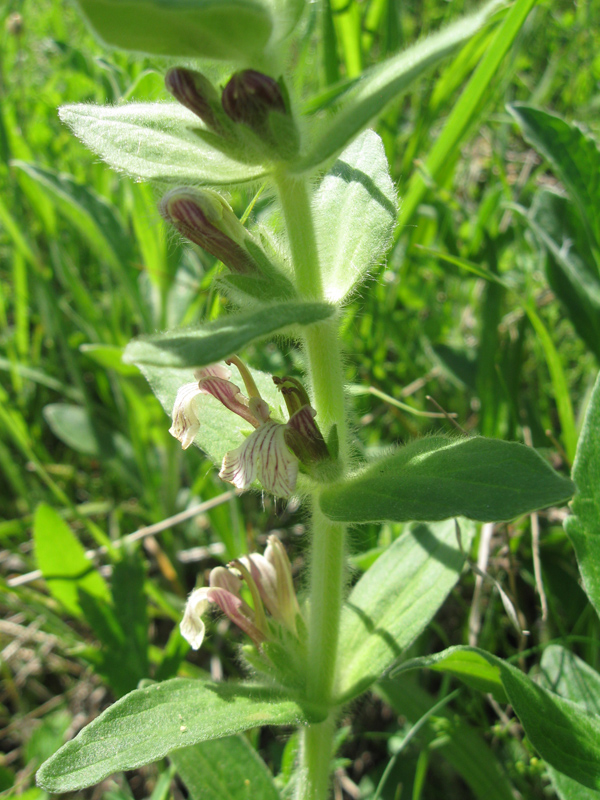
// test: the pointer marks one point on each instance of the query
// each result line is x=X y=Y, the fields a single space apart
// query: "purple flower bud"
x=260 y=103
x=197 y=94
x=304 y=438
x=250 y=97
x=294 y=394
x=206 y=219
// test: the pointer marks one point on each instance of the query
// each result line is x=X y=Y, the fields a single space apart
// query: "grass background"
x=85 y=264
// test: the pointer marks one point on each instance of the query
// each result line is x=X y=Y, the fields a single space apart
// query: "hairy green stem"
x=328 y=539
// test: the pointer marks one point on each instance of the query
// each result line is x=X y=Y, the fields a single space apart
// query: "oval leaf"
x=355 y=210
x=155 y=141
x=225 y=29
x=149 y=723
x=569 y=676
x=573 y=154
x=63 y=563
x=440 y=477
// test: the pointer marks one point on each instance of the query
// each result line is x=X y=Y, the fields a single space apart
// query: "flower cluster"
x=273 y=452
x=251 y=119
x=269 y=580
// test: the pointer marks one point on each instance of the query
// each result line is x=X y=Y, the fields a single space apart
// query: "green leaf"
x=583 y=528
x=155 y=141
x=460 y=744
x=97 y=221
x=565 y=735
x=571 y=270
x=198 y=347
x=121 y=626
x=221 y=430
x=441 y=477
x=149 y=723
x=467 y=663
x=355 y=210
x=565 y=674
x=379 y=85
x=224 y=768
x=573 y=154
x=222 y=29
x=395 y=600
x=62 y=561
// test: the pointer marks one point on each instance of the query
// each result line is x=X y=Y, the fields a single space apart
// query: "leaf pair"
x=166 y=142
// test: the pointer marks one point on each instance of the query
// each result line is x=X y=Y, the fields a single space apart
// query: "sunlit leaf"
x=395 y=600
x=149 y=723
x=440 y=477
x=155 y=141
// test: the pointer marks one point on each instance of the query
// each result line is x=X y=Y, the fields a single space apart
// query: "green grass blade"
x=465 y=109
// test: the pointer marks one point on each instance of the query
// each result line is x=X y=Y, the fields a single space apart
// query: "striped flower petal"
x=266 y=456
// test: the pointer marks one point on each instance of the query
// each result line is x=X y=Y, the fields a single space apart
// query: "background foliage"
x=85 y=456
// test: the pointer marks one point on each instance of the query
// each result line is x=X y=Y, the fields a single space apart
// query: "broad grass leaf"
x=224 y=768
x=395 y=600
x=440 y=477
x=355 y=210
x=149 y=723
x=571 y=268
x=97 y=220
x=583 y=528
x=155 y=142
x=61 y=559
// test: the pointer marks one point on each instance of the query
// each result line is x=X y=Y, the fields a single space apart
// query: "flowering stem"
x=328 y=539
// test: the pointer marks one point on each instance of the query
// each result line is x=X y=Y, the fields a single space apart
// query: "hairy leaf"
x=220 y=429
x=197 y=347
x=155 y=141
x=440 y=477
x=583 y=528
x=226 y=29
x=149 y=723
x=355 y=210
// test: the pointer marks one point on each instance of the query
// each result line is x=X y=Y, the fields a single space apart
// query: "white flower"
x=266 y=456
x=185 y=418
